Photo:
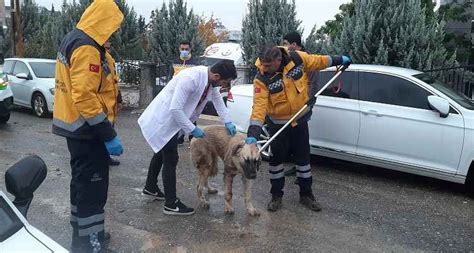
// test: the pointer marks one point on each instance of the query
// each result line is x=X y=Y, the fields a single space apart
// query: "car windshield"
x=207 y=61
x=44 y=69
x=458 y=97
x=9 y=223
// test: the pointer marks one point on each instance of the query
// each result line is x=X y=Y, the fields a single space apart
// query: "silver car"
x=32 y=83
x=390 y=117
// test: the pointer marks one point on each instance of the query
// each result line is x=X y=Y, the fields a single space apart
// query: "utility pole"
x=20 y=47
x=12 y=28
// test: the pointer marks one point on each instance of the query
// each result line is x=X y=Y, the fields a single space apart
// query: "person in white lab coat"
x=175 y=108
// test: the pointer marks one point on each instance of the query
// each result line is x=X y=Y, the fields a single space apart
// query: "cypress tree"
x=169 y=26
x=126 y=41
x=267 y=21
x=391 y=32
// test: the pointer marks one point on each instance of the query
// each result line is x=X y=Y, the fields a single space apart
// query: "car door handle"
x=372 y=112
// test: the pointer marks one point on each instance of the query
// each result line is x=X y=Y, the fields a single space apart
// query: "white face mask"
x=184 y=54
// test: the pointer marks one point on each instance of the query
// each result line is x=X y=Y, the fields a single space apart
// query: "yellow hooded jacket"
x=283 y=94
x=86 y=91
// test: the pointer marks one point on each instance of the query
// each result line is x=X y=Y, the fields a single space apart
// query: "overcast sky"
x=231 y=12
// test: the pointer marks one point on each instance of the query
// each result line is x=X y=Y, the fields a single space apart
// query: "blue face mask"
x=184 y=54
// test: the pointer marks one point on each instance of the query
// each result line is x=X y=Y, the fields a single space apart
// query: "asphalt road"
x=365 y=209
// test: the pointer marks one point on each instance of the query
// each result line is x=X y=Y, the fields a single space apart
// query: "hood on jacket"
x=100 y=20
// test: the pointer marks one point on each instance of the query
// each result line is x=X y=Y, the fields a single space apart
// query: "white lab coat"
x=183 y=92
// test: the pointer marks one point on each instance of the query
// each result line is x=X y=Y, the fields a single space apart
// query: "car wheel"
x=264 y=137
x=4 y=118
x=470 y=182
x=38 y=103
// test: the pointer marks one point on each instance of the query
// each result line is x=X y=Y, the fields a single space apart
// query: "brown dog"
x=238 y=158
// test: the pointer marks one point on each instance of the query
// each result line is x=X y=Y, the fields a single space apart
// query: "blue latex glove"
x=198 y=133
x=250 y=140
x=114 y=147
x=346 y=60
x=231 y=129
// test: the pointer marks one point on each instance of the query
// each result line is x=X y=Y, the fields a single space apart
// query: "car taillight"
x=230 y=98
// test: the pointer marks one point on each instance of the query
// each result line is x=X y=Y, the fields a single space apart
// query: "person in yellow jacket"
x=280 y=90
x=85 y=104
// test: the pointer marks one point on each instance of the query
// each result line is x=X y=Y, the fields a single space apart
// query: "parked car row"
x=389 y=117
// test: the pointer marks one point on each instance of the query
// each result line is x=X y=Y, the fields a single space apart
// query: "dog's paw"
x=228 y=210
x=253 y=212
x=212 y=191
x=205 y=205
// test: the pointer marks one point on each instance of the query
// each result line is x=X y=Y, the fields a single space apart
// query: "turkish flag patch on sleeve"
x=258 y=89
x=94 y=68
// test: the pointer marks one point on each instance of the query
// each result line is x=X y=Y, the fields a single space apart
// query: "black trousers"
x=88 y=192
x=167 y=158
x=292 y=141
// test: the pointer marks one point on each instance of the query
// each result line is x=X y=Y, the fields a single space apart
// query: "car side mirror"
x=440 y=105
x=23 y=76
x=23 y=178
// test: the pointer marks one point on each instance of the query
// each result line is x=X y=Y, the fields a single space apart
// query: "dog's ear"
x=231 y=153
x=236 y=149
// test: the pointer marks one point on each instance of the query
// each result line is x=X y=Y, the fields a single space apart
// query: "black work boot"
x=274 y=204
x=310 y=202
x=88 y=243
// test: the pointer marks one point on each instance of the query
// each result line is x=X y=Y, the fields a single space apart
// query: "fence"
x=460 y=78
x=129 y=73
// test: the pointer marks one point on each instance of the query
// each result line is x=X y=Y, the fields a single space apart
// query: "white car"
x=389 y=117
x=6 y=99
x=32 y=83
x=16 y=234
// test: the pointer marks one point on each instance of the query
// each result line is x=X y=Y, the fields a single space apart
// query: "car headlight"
x=3 y=82
x=51 y=91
